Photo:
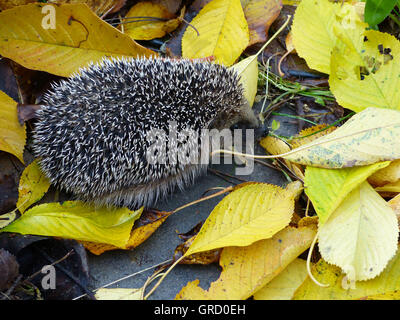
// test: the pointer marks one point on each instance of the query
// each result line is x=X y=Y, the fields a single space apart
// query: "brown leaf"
x=260 y=14
x=206 y=257
x=9 y=269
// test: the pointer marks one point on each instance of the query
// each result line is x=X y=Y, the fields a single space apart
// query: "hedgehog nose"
x=261 y=131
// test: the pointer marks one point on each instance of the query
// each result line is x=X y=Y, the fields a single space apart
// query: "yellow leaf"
x=291 y=2
x=390 y=174
x=146 y=30
x=118 y=294
x=245 y=270
x=247 y=69
x=361 y=235
x=223 y=30
x=276 y=146
x=395 y=205
x=7 y=218
x=251 y=213
x=79 y=37
x=364 y=77
x=139 y=234
x=368 y=137
x=12 y=134
x=310 y=134
x=77 y=220
x=314 y=39
x=33 y=184
x=283 y=286
x=327 y=188
x=386 y=286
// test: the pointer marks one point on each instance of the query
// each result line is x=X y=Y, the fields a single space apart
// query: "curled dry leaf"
x=147 y=29
x=260 y=14
x=390 y=174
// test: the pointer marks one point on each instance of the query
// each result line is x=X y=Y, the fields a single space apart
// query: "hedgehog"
x=91 y=134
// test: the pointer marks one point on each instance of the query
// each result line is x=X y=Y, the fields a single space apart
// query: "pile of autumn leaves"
x=346 y=173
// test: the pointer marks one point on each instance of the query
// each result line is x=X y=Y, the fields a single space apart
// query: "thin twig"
x=228 y=189
x=6 y=295
x=126 y=277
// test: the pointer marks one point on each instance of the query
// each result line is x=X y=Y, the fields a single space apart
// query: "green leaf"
x=377 y=10
x=77 y=220
x=327 y=188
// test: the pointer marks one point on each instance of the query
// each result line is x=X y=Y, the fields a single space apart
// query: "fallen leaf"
x=7 y=218
x=144 y=227
x=386 y=286
x=327 y=188
x=314 y=39
x=101 y=8
x=253 y=212
x=368 y=137
x=204 y=257
x=12 y=134
x=118 y=294
x=9 y=269
x=283 y=286
x=224 y=37
x=146 y=30
x=276 y=146
x=389 y=188
x=366 y=76
x=77 y=220
x=395 y=205
x=361 y=235
x=32 y=186
x=247 y=70
x=8 y=4
x=245 y=270
x=390 y=174
x=85 y=38
x=260 y=14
